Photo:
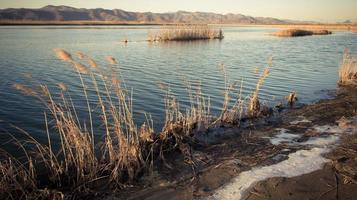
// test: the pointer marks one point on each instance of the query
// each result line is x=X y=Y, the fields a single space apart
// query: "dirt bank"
x=236 y=150
x=337 y=179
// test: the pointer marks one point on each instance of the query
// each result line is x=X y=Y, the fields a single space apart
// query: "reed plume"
x=63 y=55
x=81 y=68
x=92 y=63
x=81 y=55
x=111 y=60
x=25 y=90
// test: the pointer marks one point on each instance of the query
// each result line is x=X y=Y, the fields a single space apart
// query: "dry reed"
x=348 y=69
x=120 y=158
x=254 y=104
x=300 y=32
x=63 y=55
x=230 y=114
x=127 y=150
x=186 y=33
x=292 y=98
x=81 y=55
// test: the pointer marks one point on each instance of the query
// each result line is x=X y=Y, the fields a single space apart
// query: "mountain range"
x=66 y=13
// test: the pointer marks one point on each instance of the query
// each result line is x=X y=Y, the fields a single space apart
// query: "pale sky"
x=317 y=10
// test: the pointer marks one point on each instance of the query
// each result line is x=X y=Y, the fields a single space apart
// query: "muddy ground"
x=223 y=154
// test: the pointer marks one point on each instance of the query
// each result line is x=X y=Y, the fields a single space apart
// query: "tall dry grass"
x=79 y=162
x=231 y=114
x=254 y=103
x=185 y=33
x=300 y=32
x=82 y=162
x=348 y=69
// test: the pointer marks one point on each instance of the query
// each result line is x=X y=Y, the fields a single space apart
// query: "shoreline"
x=238 y=151
x=332 y=26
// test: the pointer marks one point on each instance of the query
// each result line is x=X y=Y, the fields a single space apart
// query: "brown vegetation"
x=335 y=27
x=292 y=98
x=126 y=152
x=186 y=33
x=348 y=69
x=254 y=104
x=300 y=32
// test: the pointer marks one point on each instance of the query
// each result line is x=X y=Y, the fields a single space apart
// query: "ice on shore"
x=283 y=137
x=298 y=163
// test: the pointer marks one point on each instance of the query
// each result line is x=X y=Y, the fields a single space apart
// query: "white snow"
x=304 y=120
x=283 y=137
x=321 y=141
x=299 y=163
x=328 y=129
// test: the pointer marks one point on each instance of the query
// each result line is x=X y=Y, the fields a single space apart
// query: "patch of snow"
x=300 y=121
x=321 y=141
x=283 y=137
x=298 y=163
x=328 y=129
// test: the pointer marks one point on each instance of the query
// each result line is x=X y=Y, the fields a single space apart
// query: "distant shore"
x=74 y=23
x=352 y=27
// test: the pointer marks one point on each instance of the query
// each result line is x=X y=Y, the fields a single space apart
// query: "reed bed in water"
x=185 y=33
x=80 y=164
x=348 y=69
x=300 y=32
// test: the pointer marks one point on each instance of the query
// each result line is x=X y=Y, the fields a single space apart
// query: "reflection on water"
x=306 y=65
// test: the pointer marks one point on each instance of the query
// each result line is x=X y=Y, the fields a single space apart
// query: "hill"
x=66 y=13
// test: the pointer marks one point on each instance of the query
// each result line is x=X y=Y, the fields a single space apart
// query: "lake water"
x=308 y=65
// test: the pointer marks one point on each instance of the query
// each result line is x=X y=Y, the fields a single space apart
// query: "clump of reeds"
x=292 y=98
x=254 y=104
x=79 y=162
x=181 y=126
x=186 y=33
x=300 y=32
x=348 y=69
x=230 y=114
x=321 y=32
x=127 y=150
x=14 y=178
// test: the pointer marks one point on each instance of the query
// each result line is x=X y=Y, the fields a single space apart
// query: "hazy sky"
x=318 y=10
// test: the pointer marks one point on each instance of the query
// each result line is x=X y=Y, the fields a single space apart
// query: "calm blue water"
x=307 y=65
